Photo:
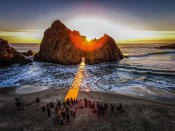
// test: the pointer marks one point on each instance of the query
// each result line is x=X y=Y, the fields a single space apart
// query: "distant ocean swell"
x=141 y=70
x=152 y=53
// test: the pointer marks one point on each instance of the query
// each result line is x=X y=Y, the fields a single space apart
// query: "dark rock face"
x=28 y=53
x=9 y=55
x=61 y=45
x=171 y=46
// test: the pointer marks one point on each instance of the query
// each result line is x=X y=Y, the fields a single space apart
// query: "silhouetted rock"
x=170 y=46
x=28 y=53
x=9 y=55
x=61 y=45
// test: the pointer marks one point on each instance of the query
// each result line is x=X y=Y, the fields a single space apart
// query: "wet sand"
x=140 y=114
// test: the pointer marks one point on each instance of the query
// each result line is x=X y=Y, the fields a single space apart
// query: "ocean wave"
x=115 y=76
x=152 y=53
x=144 y=69
x=151 y=73
x=37 y=73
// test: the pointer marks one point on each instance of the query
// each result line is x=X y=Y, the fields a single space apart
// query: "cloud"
x=22 y=36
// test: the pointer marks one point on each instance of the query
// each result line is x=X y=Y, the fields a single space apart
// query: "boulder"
x=170 y=46
x=28 y=53
x=63 y=46
x=9 y=55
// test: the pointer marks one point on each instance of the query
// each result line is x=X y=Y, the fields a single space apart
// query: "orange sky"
x=35 y=36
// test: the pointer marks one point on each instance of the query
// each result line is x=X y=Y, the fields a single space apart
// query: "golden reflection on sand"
x=76 y=84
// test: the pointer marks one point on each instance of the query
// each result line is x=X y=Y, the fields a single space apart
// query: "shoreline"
x=12 y=92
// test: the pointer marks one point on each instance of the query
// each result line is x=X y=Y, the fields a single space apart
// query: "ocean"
x=147 y=72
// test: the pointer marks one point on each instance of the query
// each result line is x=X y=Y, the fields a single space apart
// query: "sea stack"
x=63 y=46
x=9 y=55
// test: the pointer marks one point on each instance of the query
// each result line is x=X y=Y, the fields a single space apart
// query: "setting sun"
x=88 y=39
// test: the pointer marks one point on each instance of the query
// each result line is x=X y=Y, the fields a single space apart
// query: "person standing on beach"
x=67 y=117
x=63 y=113
x=67 y=109
x=112 y=108
x=74 y=111
x=48 y=110
x=85 y=102
x=59 y=104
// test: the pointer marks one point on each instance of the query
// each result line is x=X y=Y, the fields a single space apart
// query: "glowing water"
x=74 y=90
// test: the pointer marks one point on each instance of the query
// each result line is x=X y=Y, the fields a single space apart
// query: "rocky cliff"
x=61 y=45
x=9 y=55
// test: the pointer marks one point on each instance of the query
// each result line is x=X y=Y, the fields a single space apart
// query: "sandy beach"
x=139 y=114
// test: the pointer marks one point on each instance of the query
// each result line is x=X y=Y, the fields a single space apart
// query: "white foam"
x=30 y=89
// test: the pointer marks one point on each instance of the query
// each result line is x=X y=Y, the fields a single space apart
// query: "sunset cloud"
x=125 y=21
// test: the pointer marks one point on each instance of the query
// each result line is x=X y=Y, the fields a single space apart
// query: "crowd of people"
x=63 y=111
x=100 y=108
